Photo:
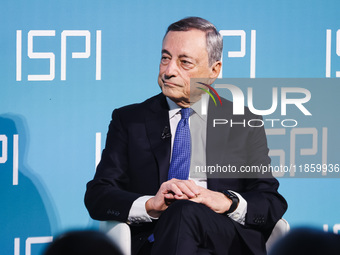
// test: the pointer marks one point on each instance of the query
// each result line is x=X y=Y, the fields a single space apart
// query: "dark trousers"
x=189 y=228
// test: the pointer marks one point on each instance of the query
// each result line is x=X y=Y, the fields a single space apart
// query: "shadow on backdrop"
x=26 y=208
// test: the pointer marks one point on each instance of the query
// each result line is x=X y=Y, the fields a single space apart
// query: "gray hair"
x=213 y=37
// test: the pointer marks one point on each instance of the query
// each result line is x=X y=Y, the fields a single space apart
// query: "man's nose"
x=171 y=69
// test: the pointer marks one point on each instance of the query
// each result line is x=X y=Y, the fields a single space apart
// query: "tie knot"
x=185 y=112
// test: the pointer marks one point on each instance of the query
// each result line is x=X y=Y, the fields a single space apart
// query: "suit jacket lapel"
x=156 y=121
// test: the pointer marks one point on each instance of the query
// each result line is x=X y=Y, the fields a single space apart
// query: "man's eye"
x=186 y=64
x=165 y=60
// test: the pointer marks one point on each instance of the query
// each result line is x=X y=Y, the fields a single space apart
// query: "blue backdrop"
x=65 y=65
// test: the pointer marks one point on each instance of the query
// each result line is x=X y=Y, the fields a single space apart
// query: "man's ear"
x=216 y=68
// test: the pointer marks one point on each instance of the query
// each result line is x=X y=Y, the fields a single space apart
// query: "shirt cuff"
x=239 y=215
x=138 y=212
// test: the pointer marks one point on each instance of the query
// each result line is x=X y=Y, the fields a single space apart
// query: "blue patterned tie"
x=181 y=150
x=180 y=160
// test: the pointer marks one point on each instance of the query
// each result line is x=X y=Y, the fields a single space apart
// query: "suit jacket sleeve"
x=106 y=198
x=134 y=162
x=265 y=206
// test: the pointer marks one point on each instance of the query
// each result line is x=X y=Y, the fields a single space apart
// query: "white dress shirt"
x=198 y=158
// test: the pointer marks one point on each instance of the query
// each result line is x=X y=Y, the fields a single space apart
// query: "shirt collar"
x=197 y=108
x=174 y=109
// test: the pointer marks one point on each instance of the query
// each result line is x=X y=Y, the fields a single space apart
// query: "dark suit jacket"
x=136 y=159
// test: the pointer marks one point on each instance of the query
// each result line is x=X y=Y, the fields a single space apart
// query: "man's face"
x=184 y=56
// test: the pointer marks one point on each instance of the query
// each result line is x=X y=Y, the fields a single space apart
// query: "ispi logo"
x=208 y=92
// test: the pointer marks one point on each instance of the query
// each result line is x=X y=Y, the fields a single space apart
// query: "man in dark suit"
x=200 y=215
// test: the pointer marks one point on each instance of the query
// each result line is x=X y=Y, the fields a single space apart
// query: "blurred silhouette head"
x=307 y=241
x=87 y=242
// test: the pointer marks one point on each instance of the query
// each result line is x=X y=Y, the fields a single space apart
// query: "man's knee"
x=196 y=224
x=185 y=207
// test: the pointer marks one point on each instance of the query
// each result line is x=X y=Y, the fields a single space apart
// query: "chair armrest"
x=281 y=228
x=119 y=232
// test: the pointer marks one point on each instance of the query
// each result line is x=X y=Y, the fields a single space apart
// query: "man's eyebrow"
x=180 y=56
x=166 y=52
x=184 y=56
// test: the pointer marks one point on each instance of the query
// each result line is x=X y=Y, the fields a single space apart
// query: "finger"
x=187 y=188
x=198 y=199
x=172 y=187
x=183 y=197
x=193 y=187
x=169 y=196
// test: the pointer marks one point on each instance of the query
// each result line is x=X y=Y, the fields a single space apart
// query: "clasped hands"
x=176 y=189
